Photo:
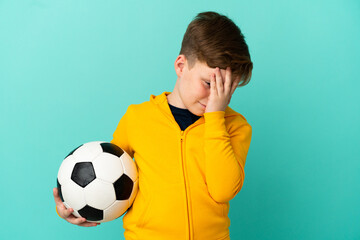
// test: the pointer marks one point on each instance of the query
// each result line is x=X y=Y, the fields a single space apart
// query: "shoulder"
x=139 y=108
x=134 y=116
x=233 y=115
x=236 y=123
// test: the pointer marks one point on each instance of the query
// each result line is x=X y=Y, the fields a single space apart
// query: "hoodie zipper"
x=183 y=168
x=182 y=138
x=182 y=143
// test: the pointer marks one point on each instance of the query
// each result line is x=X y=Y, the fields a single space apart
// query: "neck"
x=174 y=98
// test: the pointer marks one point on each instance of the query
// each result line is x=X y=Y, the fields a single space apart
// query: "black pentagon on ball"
x=73 y=151
x=112 y=149
x=123 y=187
x=59 y=190
x=83 y=173
x=91 y=214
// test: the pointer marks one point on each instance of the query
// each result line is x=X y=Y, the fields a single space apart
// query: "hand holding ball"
x=98 y=180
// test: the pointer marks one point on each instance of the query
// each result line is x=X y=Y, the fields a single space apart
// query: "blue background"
x=69 y=69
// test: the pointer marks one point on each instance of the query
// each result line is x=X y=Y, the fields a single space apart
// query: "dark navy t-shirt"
x=183 y=116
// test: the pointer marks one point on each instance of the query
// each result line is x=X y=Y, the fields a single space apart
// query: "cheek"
x=203 y=90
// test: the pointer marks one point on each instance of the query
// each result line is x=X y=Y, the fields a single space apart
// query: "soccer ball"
x=98 y=180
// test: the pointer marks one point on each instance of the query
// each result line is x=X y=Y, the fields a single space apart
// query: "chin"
x=197 y=113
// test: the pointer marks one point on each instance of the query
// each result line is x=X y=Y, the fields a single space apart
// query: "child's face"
x=194 y=86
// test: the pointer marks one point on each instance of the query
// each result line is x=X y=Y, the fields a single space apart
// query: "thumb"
x=56 y=196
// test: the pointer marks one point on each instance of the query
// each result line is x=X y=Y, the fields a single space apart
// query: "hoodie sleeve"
x=121 y=136
x=225 y=154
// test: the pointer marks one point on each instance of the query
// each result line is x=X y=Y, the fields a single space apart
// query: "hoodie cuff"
x=215 y=124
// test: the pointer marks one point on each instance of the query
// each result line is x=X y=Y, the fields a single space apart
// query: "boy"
x=189 y=146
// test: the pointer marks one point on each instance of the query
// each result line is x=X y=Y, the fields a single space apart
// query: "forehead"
x=202 y=68
x=202 y=65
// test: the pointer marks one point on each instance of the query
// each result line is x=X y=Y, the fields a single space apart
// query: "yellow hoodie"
x=186 y=178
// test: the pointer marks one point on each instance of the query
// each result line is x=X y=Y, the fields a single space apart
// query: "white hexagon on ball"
x=99 y=194
x=108 y=167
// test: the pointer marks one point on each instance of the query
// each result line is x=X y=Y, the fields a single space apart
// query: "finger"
x=213 y=84
x=88 y=224
x=56 y=196
x=67 y=212
x=219 y=81
x=76 y=220
x=228 y=80
x=62 y=210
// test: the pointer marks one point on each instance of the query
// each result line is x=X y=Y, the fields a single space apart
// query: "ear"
x=180 y=64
